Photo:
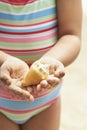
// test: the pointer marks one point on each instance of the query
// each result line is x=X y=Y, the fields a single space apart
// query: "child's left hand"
x=56 y=73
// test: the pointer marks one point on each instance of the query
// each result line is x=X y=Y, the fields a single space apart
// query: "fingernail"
x=31 y=98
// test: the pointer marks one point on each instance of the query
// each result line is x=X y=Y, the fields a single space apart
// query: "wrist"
x=3 y=57
x=52 y=59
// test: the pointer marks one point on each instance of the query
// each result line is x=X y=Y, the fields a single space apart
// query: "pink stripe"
x=29 y=53
x=4 y=93
x=16 y=2
x=26 y=111
x=25 y=40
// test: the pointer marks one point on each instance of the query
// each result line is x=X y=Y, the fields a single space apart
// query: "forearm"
x=3 y=57
x=66 y=50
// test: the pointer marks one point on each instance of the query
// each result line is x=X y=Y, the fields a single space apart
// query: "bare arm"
x=69 y=21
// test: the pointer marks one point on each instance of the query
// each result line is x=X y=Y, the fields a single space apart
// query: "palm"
x=16 y=68
x=56 y=72
x=13 y=71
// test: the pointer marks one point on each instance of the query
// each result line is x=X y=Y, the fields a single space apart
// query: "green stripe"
x=22 y=116
x=30 y=57
x=28 y=45
x=15 y=116
x=29 y=8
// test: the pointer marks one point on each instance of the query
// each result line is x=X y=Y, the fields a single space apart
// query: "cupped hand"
x=12 y=72
x=56 y=73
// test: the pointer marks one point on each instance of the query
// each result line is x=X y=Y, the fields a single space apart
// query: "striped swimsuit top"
x=28 y=28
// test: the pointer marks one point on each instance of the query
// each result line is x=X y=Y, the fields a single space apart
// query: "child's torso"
x=28 y=28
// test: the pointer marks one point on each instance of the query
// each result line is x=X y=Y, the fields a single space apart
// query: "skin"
x=63 y=53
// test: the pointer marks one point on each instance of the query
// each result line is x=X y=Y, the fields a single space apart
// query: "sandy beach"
x=74 y=91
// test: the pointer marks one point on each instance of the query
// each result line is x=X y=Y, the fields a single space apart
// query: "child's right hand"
x=12 y=72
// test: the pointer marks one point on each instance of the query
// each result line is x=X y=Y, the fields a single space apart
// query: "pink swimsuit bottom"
x=20 y=111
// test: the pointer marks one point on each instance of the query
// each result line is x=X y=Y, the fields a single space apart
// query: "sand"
x=74 y=91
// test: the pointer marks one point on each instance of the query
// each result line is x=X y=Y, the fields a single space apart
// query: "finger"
x=29 y=89
x=23 y=93
x=43 y=84
x=60 y=71
x=27 y=96
x=38 y=88
x=53 y=80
